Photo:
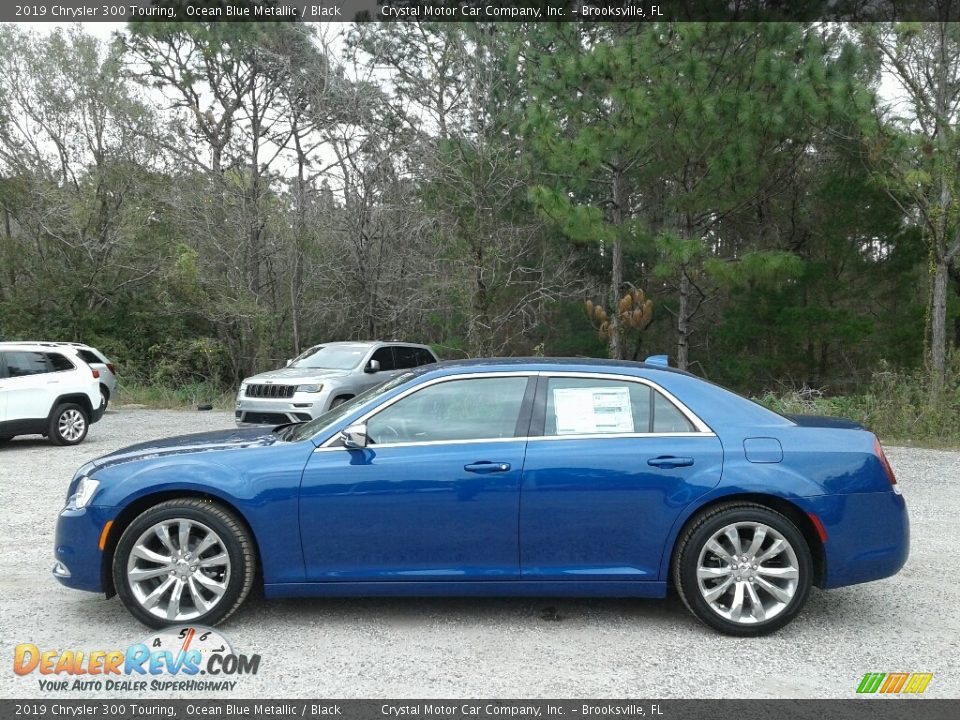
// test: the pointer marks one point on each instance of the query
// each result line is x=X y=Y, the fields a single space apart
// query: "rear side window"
x=406 y=357
x=89 y=357
x=597 y=406
x=58 y=362
x=22 y=364
x=425 y=357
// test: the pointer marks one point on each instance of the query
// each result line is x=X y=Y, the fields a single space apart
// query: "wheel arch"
x=80 y=399
x=781 y=505
x=130 y=512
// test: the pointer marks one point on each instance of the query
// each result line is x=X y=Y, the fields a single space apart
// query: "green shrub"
x=897 y=405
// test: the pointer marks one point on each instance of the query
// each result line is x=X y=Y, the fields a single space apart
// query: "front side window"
x=468 y=409
x=598 y=406
x=21 y=364
x=384 y=356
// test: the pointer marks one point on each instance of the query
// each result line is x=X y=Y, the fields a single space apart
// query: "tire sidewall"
x=690 y=554
x=54 y=429
x=238 y=566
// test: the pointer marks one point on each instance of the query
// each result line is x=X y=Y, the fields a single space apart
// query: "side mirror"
x=289 y=362
x=354 y=437
x=372 y=367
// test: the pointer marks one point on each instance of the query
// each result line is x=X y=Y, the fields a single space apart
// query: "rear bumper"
x=97 y=413
x=868 y=536
x=78 y=558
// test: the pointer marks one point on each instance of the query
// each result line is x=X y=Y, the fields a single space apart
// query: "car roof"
x=370 y=343
x=36 y=346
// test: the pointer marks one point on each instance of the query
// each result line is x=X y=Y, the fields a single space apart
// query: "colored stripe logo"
x=894 y=683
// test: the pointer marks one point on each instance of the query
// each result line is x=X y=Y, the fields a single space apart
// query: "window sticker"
x=586 y=411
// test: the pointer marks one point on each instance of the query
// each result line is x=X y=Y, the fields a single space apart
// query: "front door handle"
x=668 y=462
x=485 y=466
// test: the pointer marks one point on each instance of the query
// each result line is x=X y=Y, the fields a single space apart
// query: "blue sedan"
x=535 y=477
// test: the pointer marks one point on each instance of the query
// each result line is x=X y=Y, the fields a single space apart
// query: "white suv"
x=47 y=391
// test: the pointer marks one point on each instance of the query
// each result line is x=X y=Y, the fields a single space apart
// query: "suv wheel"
x=184 y=560
x=104 y=397
x=68 y=424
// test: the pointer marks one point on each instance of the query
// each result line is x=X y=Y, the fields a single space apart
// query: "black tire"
x=339 y=401
x=687 y=556
x=236 y=541
x=67 y=412
x=104 y=397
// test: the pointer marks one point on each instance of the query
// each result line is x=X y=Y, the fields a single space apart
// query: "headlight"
x=309 y=388
x=84 y=492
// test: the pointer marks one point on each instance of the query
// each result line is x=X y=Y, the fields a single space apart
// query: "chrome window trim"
x=701 y=427
x=416 y=388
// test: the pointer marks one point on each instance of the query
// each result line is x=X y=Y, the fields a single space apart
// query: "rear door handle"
x=668 y=462
x=485 y=466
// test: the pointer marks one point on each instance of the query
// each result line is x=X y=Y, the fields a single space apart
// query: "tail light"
x=111 y=368
x=884 y=462
x=96 y=373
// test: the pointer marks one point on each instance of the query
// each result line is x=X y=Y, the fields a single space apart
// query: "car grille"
x=262 y=418
x=270 y=391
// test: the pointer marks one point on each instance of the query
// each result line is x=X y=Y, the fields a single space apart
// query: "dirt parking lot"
x=504 y=647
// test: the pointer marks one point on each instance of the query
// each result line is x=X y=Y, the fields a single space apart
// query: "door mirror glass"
x=373 y=366
x=354 y=437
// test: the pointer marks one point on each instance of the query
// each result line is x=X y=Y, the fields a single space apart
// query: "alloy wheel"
x=178 y=569
x=748 y=572
x=71 y=425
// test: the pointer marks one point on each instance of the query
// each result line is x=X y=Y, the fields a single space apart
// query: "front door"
x=613 y=464
x=434 y=495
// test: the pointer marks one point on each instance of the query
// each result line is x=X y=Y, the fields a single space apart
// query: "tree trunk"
x=616 y=274
x=683 y=322
x=938 y=326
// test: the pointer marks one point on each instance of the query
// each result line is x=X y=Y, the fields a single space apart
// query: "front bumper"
x=254 y=412
x=78 y=558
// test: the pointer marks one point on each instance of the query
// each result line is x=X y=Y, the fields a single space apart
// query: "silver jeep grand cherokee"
x=323 y=377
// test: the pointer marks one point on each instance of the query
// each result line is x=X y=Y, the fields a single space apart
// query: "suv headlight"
x=309 y=388
x=84 y=493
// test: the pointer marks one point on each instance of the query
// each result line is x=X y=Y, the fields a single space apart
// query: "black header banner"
x=478 y=10
x=629 y=709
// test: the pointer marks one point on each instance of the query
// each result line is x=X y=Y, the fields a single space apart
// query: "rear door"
x=610 y=464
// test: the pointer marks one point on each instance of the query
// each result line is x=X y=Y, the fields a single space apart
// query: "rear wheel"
x=743 y=569
x=104 y=397
x=68 y=424
x=184 y=560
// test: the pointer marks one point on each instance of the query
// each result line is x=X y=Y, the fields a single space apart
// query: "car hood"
x=292 y=373
x=185 y=444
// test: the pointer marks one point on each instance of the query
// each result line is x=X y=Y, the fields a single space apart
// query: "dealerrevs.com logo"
x=186 y=659
x=894 y=683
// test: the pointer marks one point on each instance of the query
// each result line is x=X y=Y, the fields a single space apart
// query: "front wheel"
x=743 y=569
x=68 y=424
x=184 y=560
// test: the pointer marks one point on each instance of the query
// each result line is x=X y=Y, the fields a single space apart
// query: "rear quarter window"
x=58 y=362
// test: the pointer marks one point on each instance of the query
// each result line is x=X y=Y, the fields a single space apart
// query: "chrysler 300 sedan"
x=533 y=477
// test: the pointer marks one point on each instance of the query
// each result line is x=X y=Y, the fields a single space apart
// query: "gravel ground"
x=503 y=647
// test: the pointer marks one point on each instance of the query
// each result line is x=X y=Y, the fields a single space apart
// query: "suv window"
x=411 y=357
x=384 y=356
x=424 y=357
x=22 y=363
x=58 y=362
x=597 y=406
x=474 y=409
x=89 y=357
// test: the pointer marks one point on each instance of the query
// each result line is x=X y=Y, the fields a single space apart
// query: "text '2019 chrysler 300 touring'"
x=535 y=477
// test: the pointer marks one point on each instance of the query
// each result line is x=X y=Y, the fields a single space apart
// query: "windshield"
x=331 y=357
x=318 y=424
